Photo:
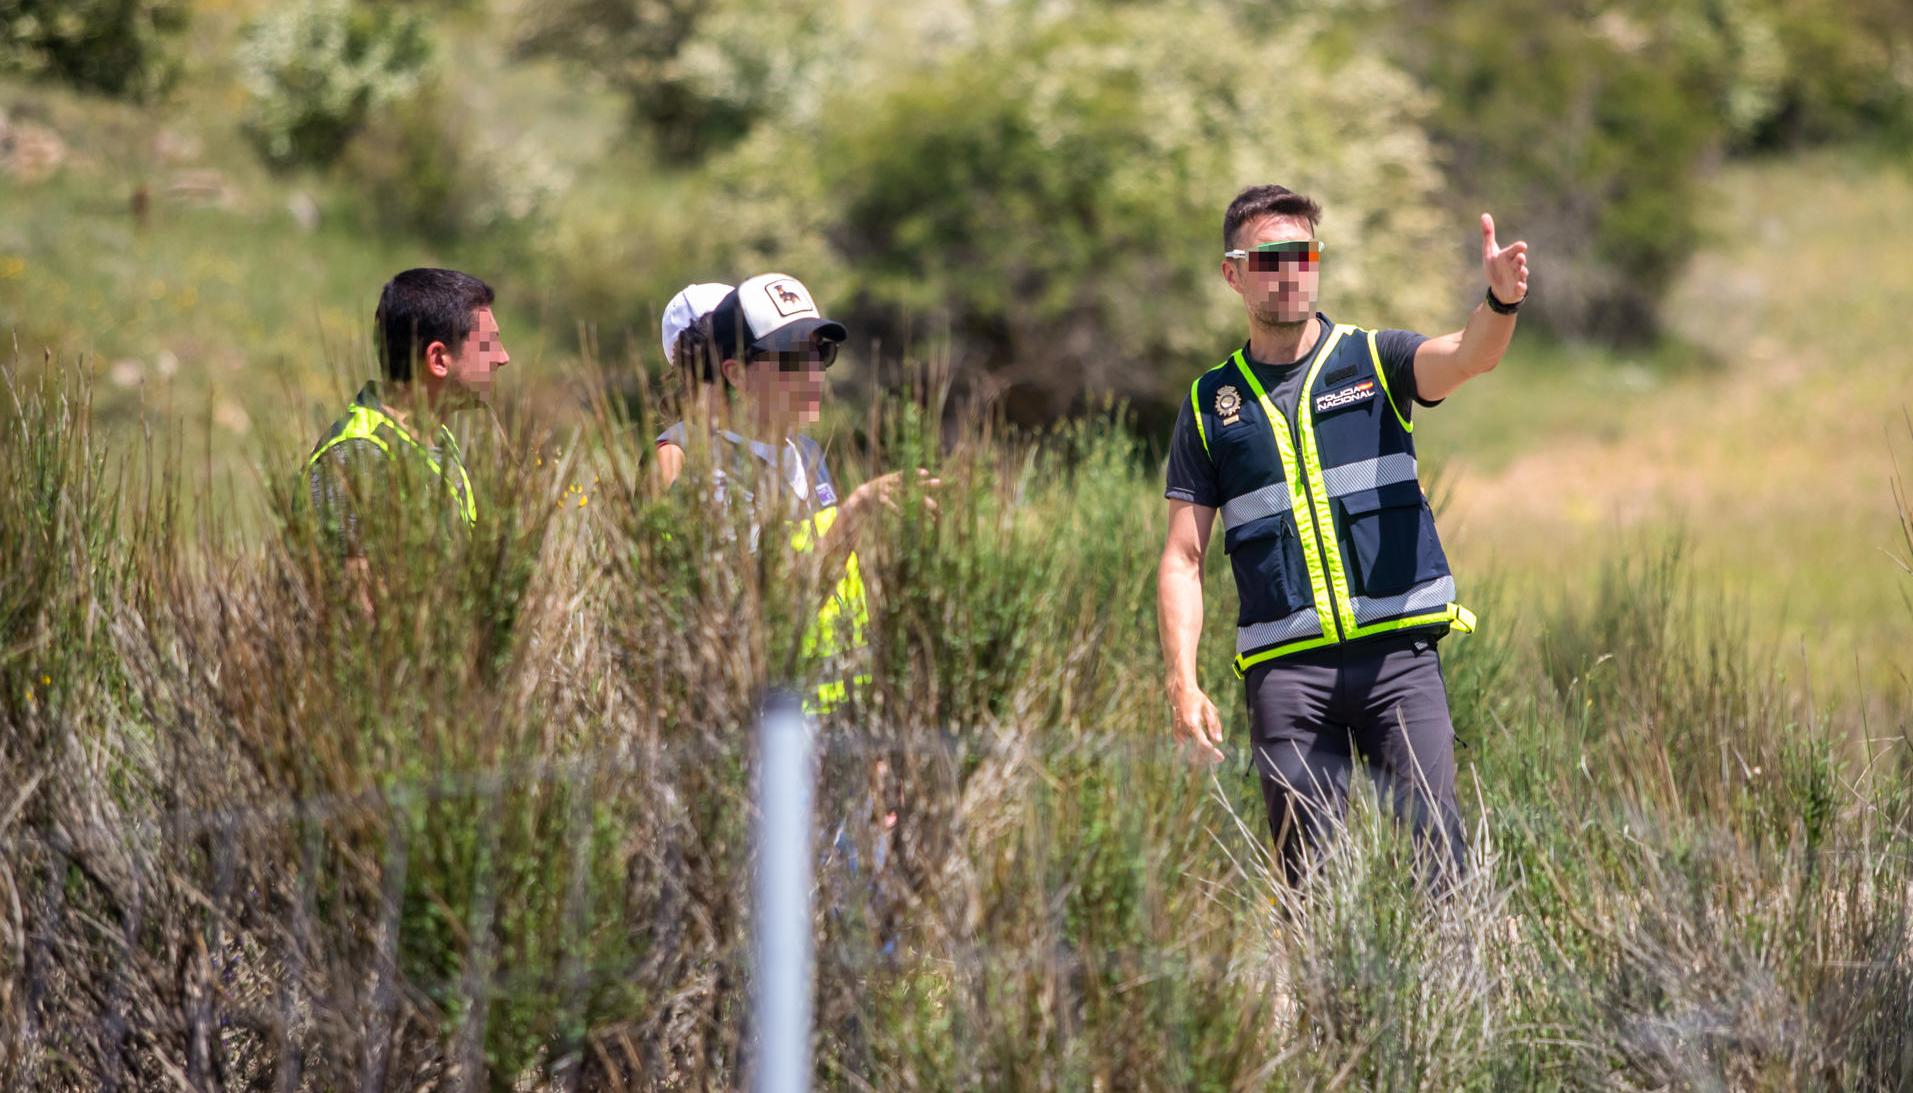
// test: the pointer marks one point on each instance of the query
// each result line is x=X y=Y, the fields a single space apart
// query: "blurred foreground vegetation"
x=496 y=833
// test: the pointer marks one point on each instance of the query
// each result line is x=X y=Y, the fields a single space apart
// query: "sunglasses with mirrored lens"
x=1300 y=254
x=817 y=357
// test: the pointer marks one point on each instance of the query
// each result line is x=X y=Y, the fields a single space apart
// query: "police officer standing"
x=1303 y=440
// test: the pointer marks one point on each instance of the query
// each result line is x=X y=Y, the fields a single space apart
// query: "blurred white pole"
x=781 y=922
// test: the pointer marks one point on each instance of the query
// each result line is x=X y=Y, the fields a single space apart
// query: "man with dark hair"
x=1302 y=440
x=1260 y=201
x=439 y=347
x=423 y=306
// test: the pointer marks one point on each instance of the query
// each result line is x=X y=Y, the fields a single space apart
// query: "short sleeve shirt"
x=1192 y=473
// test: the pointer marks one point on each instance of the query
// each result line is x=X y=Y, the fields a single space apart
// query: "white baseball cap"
x=771 y=311
x=693 y=302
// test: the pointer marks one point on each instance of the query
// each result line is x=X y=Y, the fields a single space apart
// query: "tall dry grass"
x=495 y=833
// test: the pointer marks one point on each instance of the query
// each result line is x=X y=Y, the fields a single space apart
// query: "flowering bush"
x=315 y=69
x=114 y=46
x=1052 y=195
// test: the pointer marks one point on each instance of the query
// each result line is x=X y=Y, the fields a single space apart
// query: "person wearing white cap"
x=686 y=333
x=765 y=346
x=755 y=356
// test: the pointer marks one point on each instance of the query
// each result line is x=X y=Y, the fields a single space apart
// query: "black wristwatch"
x=1500 y=308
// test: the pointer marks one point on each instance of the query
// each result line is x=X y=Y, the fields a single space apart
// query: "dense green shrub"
x=315 y=69
x=496 y=832
x=422 y=166
x=1800 y=72
x=1585 y=129
x=1050 y=199
x=696 y=74
x=119 y=47
x=1590 y=127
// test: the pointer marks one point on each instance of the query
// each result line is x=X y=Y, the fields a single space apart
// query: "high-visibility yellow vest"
x=366 y=419
x=838 y=632
x=1326 y=525
x=836 y=636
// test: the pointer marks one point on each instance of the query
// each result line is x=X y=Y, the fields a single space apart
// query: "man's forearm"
x=1484 y=340
x=1443 y=364
x=1179 y=617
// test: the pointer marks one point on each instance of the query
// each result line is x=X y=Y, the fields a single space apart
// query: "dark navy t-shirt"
x=1192 y=474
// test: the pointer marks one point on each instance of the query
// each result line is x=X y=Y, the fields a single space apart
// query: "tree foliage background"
x=1031 y=191
x=1038 y=187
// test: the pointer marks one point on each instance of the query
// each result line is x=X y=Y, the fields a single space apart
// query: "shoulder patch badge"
x=1229 y=405
x=1347 y=396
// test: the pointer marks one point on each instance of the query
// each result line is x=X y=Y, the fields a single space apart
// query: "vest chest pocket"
x=1390 y=538
x=1270 y=580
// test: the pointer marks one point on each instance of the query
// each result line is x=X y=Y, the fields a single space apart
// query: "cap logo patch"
x=1347 y=396
x=789 y=298
x=1229 y=405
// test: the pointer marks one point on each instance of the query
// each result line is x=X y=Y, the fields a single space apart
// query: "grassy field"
x=1766 y=440
x=496 y=835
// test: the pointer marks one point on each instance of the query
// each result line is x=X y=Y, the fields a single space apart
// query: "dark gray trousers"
x=1313 y=715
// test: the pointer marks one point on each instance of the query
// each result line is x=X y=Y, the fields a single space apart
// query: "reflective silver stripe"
x=1302 y=624
x=1366 y=474
x=1424 y=597
x=1254 y=505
